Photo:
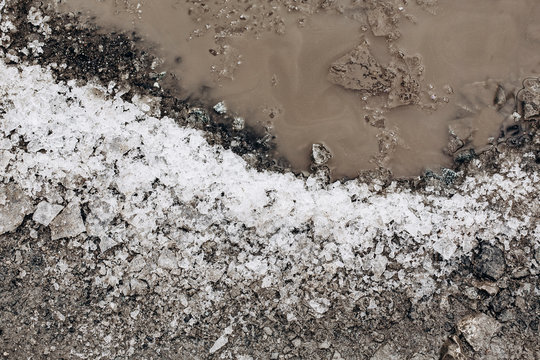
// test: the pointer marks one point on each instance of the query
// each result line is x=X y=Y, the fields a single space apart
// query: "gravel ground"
x=137 y=225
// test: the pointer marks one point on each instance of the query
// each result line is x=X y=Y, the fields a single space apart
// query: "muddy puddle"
x=404 y=85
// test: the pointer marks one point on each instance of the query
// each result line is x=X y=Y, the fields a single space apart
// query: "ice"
x=68 y=223
x=46 y=212
x=14 y=205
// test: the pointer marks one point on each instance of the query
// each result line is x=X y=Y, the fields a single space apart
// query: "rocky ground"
x=137 y=225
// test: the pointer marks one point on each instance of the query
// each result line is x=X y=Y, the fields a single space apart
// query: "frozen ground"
x=126 y=235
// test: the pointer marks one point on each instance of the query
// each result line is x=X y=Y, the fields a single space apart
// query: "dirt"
x=319 y=72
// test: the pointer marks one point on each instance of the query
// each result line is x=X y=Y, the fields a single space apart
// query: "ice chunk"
x=46 y=212
x=14 y=206
x=68 y=223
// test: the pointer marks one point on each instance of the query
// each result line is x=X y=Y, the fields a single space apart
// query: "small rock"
x=488 y=287
x=520 y=273
x=197 y=115
x=320 y=154
x=378 y=337
x=388 y=352
x=324 y=345
x=454 y=144
x=529 y=97
x=238 y=123
x=489 y=262
x=14 y=206
x=137 y=286
x=220 y=107
x=500 y=97
x=106 y=243
x=478 y=330
x=379 y=265
x=68 y=223
x=451 y=349
x=46 y=212
x=359 y=70
x=380 y=22
x=448 y=176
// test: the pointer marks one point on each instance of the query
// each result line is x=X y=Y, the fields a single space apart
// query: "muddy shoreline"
x=122 y=60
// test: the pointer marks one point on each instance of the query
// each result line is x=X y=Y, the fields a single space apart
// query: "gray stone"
x=220 y=107
x=320 y=154
x=14 y=206
x=451 y=349
x=388 y=352
x=489 y=262
x=478 y=329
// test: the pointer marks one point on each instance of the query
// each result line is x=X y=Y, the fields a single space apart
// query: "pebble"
x=478 y=329
x=489 y=262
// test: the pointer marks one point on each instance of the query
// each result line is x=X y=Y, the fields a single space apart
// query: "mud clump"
x=359 y=70
x=529 y=99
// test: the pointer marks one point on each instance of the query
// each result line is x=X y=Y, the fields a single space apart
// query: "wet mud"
x=394 y=85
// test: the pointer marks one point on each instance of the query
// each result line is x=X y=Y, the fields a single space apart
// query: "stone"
x=500 y=97
x=68 y=223
x=238 y=123
x=489 y=262
x=106 y=243
x=46 y=212
x=388 y=352
x=320 y=154
x=486 y=286
x=220 y=107
x=379 y=265
x=14 y=206
x=319 y=306
x=529 y=97
x=478 y=329
x=380 y=22
x=451 y=349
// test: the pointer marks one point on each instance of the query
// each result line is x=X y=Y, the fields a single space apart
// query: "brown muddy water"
x=397 y=84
